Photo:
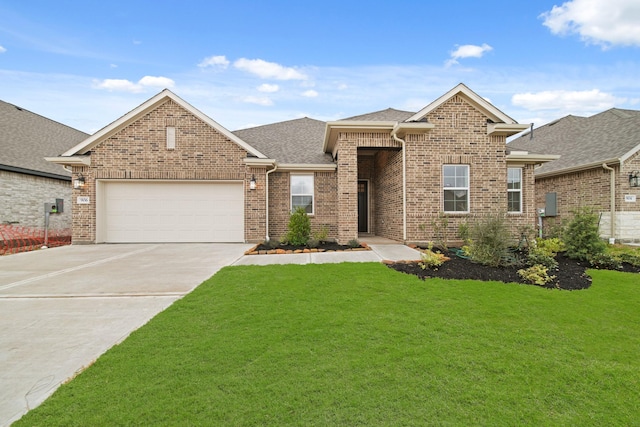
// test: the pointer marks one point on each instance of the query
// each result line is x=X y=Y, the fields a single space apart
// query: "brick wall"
x=325 y=215
x=591 y=188
x=388 y=194
x=347 y=187
x=460 y=137
x=139 y=151
x=24 y=197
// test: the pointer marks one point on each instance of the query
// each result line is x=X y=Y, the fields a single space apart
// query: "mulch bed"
x=570 y=274
x=263 y=249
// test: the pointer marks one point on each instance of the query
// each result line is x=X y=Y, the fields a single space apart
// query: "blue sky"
x=247 y=63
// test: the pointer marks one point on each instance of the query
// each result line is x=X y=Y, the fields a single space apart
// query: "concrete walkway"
x=63 y=307
x=378 y=252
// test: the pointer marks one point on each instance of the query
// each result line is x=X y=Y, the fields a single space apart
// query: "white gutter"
x=404 y=183
x=266 y=191
x=612 y=182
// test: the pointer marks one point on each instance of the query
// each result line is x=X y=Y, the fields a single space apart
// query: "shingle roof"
x=581 y=141
x=292 y=141
x=26 y=138
x=388 y=115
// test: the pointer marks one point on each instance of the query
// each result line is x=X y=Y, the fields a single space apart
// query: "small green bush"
x=353 y=243
x=489 y=241
x=313 y=243
x=630 y=258
x=553 y=244
x=432 y=259
x=581 y=236
x=321 y=234
x=272 y=243
x=605 y=261
x=536 y=275
x=299 y=228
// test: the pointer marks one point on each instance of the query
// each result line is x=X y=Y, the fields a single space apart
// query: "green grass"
x=363 y=345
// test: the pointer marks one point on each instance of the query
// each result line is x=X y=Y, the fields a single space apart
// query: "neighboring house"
x=598 y=165
x=27 y=181
x=165 y=172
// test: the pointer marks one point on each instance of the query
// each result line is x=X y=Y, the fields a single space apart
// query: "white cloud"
x=601 y=22
x=2 y=49
x=219 y=61
x=310 y=93
x=468 y=51
x=268 y=70
x=122 y=85
x=567 y=101
x=259 y=100
x=267 y=88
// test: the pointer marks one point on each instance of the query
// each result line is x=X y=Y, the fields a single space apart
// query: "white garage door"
x=146 y=212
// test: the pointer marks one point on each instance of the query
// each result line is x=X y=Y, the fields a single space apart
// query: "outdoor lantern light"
x=252 y=183
x=634 y=179
x=79 y=183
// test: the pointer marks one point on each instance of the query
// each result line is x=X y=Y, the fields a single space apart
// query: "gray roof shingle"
x=581 y=141
x=300 y=141
x=292 y=141
x=26 y=138
x=388 y=115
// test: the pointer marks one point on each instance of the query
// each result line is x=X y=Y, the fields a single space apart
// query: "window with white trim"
x=514 y=190
x=456 y=188
x=302 y=192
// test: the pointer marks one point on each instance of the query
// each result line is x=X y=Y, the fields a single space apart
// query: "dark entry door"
x=363 y=206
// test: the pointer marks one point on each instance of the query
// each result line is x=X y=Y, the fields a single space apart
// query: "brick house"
x=27 y=181
x=598 y=165
x=165 y=172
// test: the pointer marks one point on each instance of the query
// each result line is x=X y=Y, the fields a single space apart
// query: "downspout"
x=612 y=181
x=404 y=183
x=266 y=190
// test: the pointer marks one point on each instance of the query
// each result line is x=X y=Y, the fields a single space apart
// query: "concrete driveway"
x=63 y=307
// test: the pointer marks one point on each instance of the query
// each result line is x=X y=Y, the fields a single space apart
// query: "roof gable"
x=149 y=105
x=472 y=98
x=27 y=138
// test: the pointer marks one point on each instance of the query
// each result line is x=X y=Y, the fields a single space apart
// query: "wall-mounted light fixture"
x=79 y=183
x=634 y=179
x=252 y=183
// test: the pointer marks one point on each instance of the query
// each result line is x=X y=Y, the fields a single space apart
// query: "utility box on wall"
x=551 y=204
x=60 y=205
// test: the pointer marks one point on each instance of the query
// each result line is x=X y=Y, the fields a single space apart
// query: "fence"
x=14 y=239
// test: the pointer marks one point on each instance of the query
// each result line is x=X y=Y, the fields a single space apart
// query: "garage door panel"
x=173 y=212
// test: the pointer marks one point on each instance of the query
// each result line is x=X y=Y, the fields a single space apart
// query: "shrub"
x=553 y=244
x=313 y=243
x=543 y=252
x=321 y=235
x=630 y=258
x=536 y=275
x=489 y=241
x=541 y=256
x=272 y=243
x=432 y=259
x=581 y=236
x=299 y=228
x=353 y=243
x=605 y=261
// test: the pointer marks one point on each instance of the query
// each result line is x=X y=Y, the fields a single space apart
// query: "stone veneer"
x=28 y=194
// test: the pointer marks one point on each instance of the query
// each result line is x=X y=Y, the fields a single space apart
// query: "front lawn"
x=361 y=344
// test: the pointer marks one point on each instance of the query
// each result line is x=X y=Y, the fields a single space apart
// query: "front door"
x=363 y=206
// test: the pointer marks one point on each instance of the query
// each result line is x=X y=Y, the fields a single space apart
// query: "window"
x=302 y=192
x=456 y=188
x=514 y=190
